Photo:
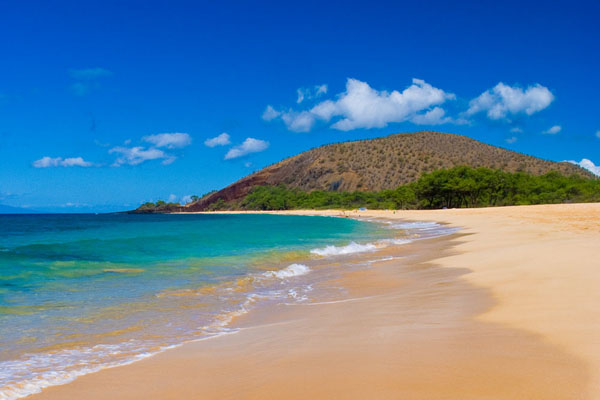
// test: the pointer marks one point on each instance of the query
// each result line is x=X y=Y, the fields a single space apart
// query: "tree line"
x=458 y=187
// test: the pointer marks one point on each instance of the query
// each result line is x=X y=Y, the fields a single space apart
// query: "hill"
x=383 y=163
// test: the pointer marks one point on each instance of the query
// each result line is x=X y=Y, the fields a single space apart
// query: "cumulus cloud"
x=502 y=100
x=302 y=121
x=138 y=154
x=589 y=165
x=516 y=129
x=320 y=89
x=435 y=116
x=160 y=143
x=300 y=96
x=270 y=113
x=169 y=140
x=553 y=130
x=89 y=73
x=250 y=145
x=186 y=199
x=220 y=140
x=361 y=106
x=511 y=140
x=311 y=93
x=46 y=162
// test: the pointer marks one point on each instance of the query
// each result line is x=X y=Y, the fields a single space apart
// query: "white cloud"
x=250 y=145
x=598 y=134
x=70 y=204
x=221 y=140
x=511 y=140
x=172 y=198
x=75 y=162
x=270 y=113
x=435 y=116
x=137 y=155
x=89 y=73
x=169 y=140
x=186 y=199
x=168 y=160
x=553 y=130
x=300 y=96
x=311 y=93
x=516 y=129
x=361 y=106
x=502 y=100
x=320 y=90
x=589 y=165
x=46 y=162
x=302 y=121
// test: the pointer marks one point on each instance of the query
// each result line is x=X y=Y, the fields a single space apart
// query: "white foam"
x=417 y=225
x=299 y=294
x=351 y=248
x=383 y=259
x=341 y=301
x=54 y=373
x=394 y=241
x=293 y=293
x=34 y=372
x=289 y=272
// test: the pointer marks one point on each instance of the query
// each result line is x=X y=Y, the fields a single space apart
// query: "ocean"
x=79 y=293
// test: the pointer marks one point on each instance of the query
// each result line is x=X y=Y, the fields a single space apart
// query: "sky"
x=105 y=105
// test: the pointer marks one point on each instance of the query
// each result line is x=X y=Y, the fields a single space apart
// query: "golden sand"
x=507 y=309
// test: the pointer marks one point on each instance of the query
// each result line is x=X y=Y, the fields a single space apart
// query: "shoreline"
x=496 y=311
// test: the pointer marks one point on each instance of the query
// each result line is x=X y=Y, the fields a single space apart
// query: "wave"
x=417 y=225
x=351 y=248
x=424 y=230
x=34 y=372
x=289 y=272
x=394 y=241
x=98 y=357
x=354 y=247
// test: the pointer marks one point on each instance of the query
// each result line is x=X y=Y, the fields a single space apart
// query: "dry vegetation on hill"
x=391 y=161
x=384 y=163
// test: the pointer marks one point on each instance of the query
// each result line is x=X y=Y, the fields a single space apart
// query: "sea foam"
x=416 y=225
x=289 y=272
x=351 y=248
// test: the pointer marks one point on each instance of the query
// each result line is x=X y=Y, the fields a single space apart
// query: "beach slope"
x=505 y=309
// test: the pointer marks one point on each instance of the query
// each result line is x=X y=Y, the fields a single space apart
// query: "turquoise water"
x=82 y=292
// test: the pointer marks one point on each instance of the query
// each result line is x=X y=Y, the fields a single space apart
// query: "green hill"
x=382 y=163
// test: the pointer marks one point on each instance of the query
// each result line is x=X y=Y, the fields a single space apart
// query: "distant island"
x=402 y=171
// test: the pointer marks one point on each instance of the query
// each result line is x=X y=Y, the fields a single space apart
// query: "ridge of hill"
x=383 y=163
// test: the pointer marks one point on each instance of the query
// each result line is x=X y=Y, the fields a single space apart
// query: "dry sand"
x=507 y=309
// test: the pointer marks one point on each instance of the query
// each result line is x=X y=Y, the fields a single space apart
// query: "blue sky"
x=90 y=91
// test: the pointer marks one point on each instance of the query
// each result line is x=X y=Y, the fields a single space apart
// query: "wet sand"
x=506 y=309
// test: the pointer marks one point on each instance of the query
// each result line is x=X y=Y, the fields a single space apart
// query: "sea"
x=84 y=292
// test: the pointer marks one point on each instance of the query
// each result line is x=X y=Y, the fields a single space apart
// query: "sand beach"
x=506 y=308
